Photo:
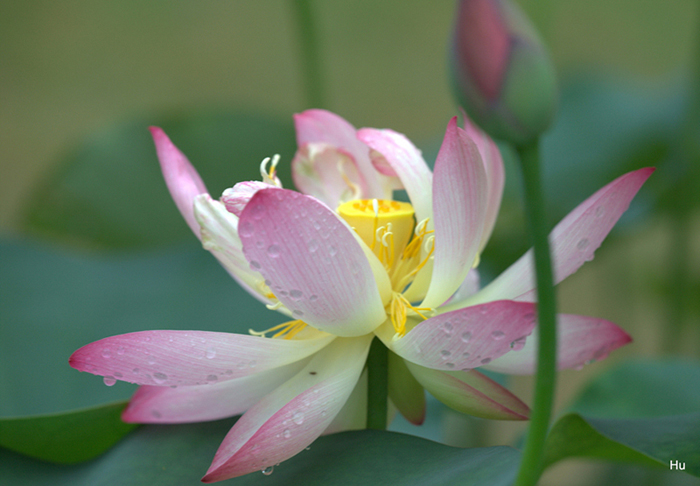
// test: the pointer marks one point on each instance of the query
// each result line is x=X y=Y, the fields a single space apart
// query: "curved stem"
x=377 y=385
x=310 y=59
x=531 y=465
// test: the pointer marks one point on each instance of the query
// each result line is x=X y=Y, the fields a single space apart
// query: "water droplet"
x=447 y=328
x=121 y=350
x=273 y=251
x=241 y=365
x=313 y=246
x=109 y=380
x=252 y=363
x=118 y=375
x=450 y=365
x=148 y=338
x=486 y=361
x=106 y=353
x=313 y=298
x=316 y=224
x=498 y=335
x=518 y=344
x=323 y=413
x=333 y=250
x=135 y=371
x=160 y=378
x=445 y=354
x=211 y=353
x=156 y=414
x=298 y=417
x=466 y=337
x=308 y=448
x=268 y=470
x=286 y=434
x=582 y=244
x=212 y=377
x=151 y=360
x=257 y=211
x=465 y=355
x=255 y=265
x=599 y=211
x=297 y=313
x=260 y=244
x=295 y=294
x=530 y=316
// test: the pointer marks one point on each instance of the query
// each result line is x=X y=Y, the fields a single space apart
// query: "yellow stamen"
x=286 y=329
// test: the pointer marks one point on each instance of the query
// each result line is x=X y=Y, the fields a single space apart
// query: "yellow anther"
x=398 y=312
x=287 y=330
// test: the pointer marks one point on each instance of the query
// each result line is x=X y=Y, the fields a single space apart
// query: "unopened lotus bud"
x=501 y=71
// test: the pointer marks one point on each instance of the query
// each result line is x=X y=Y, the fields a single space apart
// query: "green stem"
x=531 y=465
x=377 y=385
x=310 y=58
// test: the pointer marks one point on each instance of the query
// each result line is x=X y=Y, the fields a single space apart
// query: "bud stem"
x=531 y=464
x=377 y=385
x=310 y=59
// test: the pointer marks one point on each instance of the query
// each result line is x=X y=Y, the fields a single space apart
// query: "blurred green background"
x=80 y=70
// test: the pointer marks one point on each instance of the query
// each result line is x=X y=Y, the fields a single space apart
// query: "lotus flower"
x=346 y=264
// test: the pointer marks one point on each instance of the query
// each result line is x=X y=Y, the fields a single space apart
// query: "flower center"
x=389 y=229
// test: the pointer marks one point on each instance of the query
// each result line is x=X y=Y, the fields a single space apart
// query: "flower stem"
x=531 y=465
x=377 y=385
x=310 y=59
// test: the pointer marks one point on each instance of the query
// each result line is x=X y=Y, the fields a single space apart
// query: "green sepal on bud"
x=501 y=72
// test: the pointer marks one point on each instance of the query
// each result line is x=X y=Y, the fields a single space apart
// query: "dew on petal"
x=297 y=313
x=286 y=434
x=118 y=375
x=109 y=380
x=106 y=353
x=268 y=470
x=298 y=417
x=583 y=244
x=313 y=298
x=450 y=365
x=255 y=265
x=160 y=378
x=445 y=354
x=333 y=250
x=466 y=337
x=518 y=344
x=486 y=361
x=498 y=335
x=273 y=251
x=599 y=211
x=211 y=353
x=295 y=294
x=313 y=246
x=212 y=377
x=252 y=363
x=245 y=229
x=156 y=414
x=447 y=328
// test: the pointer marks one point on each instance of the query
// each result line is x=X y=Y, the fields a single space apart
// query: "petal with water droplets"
x=290 y=418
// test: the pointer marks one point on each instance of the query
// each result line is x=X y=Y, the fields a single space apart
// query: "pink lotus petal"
x=290 y=418
x=495 y=175
x=466 y=338
x=184 y=404
x=167 y=358
x=311 y=262
x=182 y=179
x=353 y=415
x=405 y=161
x=573 y=241
x=320 y=170
x=235 y=198
x=321 y=126
x=220 y=236
x=459 y=205
x=580 y=339
x=471 y=392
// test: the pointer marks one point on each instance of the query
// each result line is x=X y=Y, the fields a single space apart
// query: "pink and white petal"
x=219 y=235
x=321 y=126
x=580 y=340
x=311 y=261
x=327 y=173
x=182 y=179
x=466 y=338
x=353 y=415
x=235 y=198
x=573 y=241
x=184 y=358
x=459 y=207
x=185 y=404
x=495 y=175
x=291 y=417
x=469 y=287
x=404 y=160
x=471 y=392
x=404 y=391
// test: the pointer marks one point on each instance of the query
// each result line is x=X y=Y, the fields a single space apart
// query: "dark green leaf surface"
x=110 y=193
x=168 y=455
x=643 y=412
x=69 y=437
x=52 y=302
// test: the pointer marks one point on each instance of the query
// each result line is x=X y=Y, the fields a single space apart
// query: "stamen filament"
x=287 y=329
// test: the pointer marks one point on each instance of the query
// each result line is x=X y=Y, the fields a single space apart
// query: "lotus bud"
x=501 y=71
